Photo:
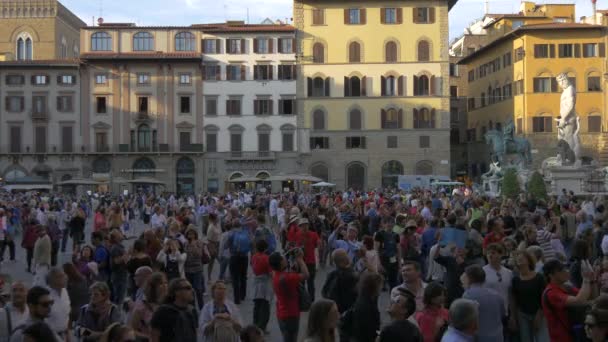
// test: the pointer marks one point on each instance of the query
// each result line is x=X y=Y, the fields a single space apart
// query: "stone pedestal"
x=571 y=178
x=491 y=186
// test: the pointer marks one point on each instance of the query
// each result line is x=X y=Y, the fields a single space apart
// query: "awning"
x=146 y=180
x=245 y=179
x=323 y=184
x=143 y=170
x=79 y=182
x=303 y=177
x=10 y=187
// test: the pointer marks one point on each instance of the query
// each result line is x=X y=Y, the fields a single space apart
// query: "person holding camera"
x=99 y=314
x=285 y=285
x=308 y=241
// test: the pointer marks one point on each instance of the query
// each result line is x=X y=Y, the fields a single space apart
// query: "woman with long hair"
x=118 y=332
x=322 y=322
x=83 y=261
x=193 y=266
x=155 y=290
x=214 y=234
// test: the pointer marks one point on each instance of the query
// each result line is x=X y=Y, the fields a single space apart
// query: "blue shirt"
x=428 y=239
x=351 y=247
x=453 y=335
x=491 y=312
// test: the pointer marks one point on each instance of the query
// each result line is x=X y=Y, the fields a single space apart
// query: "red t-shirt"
x=556 y=313
x=259 y=264
x=430 y=321
x=292 y=232
x=285 y=285
x=309 y=241
x=492 y=238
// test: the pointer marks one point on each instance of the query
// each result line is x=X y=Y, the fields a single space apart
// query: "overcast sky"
x=186 y=12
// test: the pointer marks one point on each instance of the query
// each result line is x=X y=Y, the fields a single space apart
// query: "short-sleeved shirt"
x=556 y=312
x=492 y=238
x=285 y=285
x=310 y=241
x=259 y=264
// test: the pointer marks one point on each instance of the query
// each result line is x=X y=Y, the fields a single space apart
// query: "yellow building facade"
x=513 y=78
x=373 y=90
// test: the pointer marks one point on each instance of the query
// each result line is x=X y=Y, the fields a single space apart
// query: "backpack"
x=241 y=242
x=264 y=233
x=171 y=268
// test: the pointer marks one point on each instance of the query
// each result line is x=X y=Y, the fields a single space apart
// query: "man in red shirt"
x=558 y=297
x=497 y=232
x=285 y=285
x=262 y=293
x=309 y=241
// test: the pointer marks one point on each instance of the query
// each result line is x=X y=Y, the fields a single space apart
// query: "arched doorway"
x=235 y=185
x=143 y=167
x=390 y=173
x=320 y=171
x=424 y=167
x=185 y=176
x=355 y=176
x=14 y=175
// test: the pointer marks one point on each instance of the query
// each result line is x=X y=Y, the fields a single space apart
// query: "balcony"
x=259 y=155
x=102 y=149
x=42 y=115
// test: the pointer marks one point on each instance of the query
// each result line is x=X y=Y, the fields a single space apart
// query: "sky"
x=186 y=12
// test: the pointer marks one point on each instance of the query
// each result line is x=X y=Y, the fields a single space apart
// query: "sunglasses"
x=499 y=277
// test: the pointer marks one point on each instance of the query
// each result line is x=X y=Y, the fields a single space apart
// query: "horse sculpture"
x=501 y=148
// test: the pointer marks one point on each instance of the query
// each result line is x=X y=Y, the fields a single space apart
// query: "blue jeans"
x=197 y=280
x=289 y=329
x=119 y=288
x=223 y=267
x=526 y=328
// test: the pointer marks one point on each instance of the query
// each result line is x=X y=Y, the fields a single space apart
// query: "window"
x=65 y=104
x=424 y=15
x=391 y=118
x=483 y=99
x=142 y=105
x=454 y=70
x=15 y=132
x=560 y=20
x=24 y=48
x=421 y=85
x=212 y=72
x=519 y=87
x=101 y=79
x=318 y=53
x=210 y=105
x=354 y=86
x=390 y=51
x=211 y=142
x=544 y=84
x=262 y=72
x=355 y=120
x=590 y=50
x=287 y=106
x=286 y=45
x=319 y=143
x=390 y=86
x=67 y=140
x=593 y=83
x=262 y=107
x=454 y=91
x=14 y=104
x=354 y=52
x=184 y=104
x=355 y=142
x=471 y=75
x=471 y=103
x=144 y=143
x=542 y=124
x=143 y=41
x=391 y=15
x=184 y=141
x=318 y=120
x=566 y=50
x=235 y=72
x=506 y=60
x=594 y=123
x=318 y=16
x=40 y=139
x=424 y=118
x=101 y=41
x=263 y=142
x=14 y=80
x=516 y=24
x=318 y=87
x=235 y=46
x=101 y=142
x=391 y=142
x=354 y=16
x=506 y=91
x=66 y=79
x=143 y=78
x=184 y=41
x=263 y=45
x=100 y=105
x=233 y=106
x=185 y=79
x=519 y=54
x=541 y=50
x=287 y=141
x=236 y=143
x=211 y=46
x=423 y=51
x=287 y=72
x=39 y=105
x=424 y=141
x=40 y=79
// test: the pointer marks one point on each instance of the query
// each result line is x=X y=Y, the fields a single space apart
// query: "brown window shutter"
x=327 y=84
x=536 y=50
x=416 y=118
x=363 y=15
x=346 y=86
x=383 y=15
x=399 y=16
x=70 y=104
x=255 y=72
x=383 y=118
x=416 y=86
x=228 y=46
x=400 y=86
x=270 y=45
x=364 y=86
x=33 y=79
x=218 y=73
x=6 y=103
x=58 y=103
x=243 y=46
x=228 y=72
x=346 y=16
x=433 y=123
x=218 y=42
x=279 y=45
x=255 y=45
x=400 y=118
x=432 y=85
x=602 y=48
x=58 y=79
x=280 y=72
x=293 y=45
x=552 y=50
x=577 y=50
x=554 y=87
x=309 y=86
x=294 y=72
x=270 y=107
x=243 y=72
x=431 y=15
x=270 y=68
x=415 y=15
x=382 y=85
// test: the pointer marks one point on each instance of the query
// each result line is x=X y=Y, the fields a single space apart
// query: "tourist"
x=42 y=252
x=389 y=258
x=154 y=290
x=176 y=320
x=262 y=294
x=434 y=316
x=118 y=332
x=39 y=305
x=239 y=243
x=365 y=315
x=464 y=321
x=220 y=318
x=137 y=259
x=119 y=275
x=596 y=321
x=322 y=322
x=214 y=233
x=196 y=251
x=77 y=288
x=94 y=318
x=14 y=313
x=412 y=282
x=39 y=332
x=172 y=260
x=401 y=329
x=341 y=283
x=59 y=318
x=309 y=241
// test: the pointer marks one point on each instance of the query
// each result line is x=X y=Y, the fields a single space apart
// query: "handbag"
x=205 y=256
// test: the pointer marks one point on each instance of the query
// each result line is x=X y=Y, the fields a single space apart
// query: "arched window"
x=354 y=52
x=184 y=41
x=354 y=86
x=355 y=120
x=143 y=138
x=424 y=118
x=388 y=86
x=143 y=41
x=320 y=171
x=318 y=86
x=391 y=118
x=423 y=51
x=594 y=82
x=318 y=53
x=391 y=170
x=422 y=85
x=355 y=176
x=20 y=49
x=318 y=120
x=101 y=41
x=390 y=51
x=143 y=167
x=424 y=167
x=24 y=47
x=29 y=49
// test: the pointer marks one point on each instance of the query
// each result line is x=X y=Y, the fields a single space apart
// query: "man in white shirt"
x=15 y=313
x=60 y=311
x=272 y=209
x=498 y=277
x=158 y=220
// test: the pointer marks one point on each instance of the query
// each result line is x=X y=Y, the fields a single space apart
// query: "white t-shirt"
x=500 y=281
x=60 y=311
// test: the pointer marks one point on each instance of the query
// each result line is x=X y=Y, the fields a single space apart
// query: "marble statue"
x=568 y=123
x=495 y=171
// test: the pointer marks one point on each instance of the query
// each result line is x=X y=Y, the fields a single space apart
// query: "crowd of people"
x=455 y=265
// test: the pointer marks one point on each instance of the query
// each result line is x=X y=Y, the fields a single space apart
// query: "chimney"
x=486 y=8
x=593 y=3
